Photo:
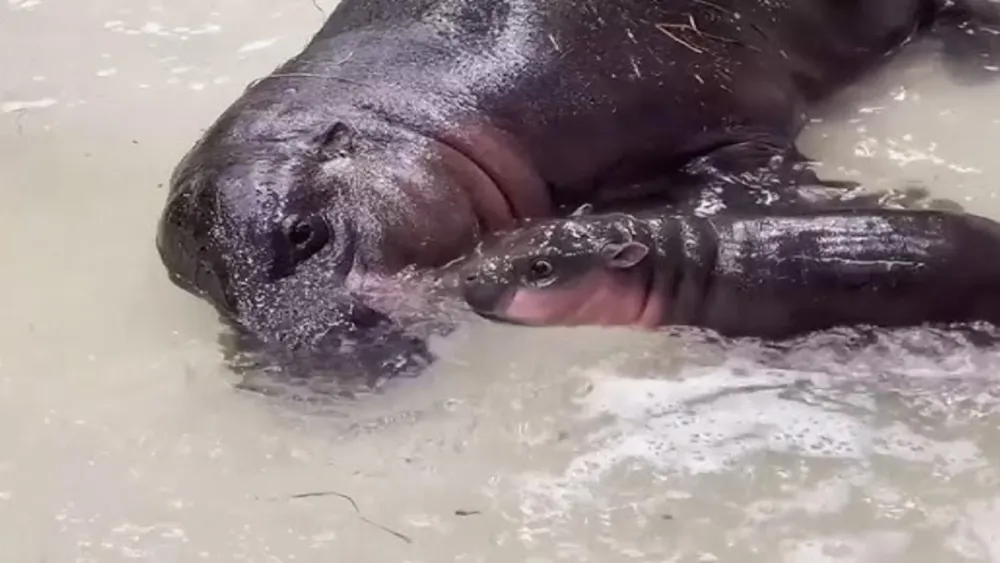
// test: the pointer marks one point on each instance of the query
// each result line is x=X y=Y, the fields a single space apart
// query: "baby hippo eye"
x=540 y=269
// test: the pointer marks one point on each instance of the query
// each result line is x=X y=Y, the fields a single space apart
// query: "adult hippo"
x=406 y=130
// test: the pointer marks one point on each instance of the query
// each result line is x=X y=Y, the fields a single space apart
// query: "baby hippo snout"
x=483 y=294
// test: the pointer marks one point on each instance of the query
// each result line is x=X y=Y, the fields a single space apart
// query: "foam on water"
x=23 y=4
x=12 y=106
x=725 y=417
x=258 y=45
x=182 y=33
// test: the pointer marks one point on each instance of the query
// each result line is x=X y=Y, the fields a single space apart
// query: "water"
x=121 y=436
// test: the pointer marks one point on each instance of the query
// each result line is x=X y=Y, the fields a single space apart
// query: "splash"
x=822 y=403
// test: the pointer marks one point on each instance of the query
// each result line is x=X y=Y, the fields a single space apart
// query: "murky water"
x=121 y=436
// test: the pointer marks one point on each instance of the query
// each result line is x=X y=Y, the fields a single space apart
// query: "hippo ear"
x=624 y=255
x=336 y=141
x=584 y=209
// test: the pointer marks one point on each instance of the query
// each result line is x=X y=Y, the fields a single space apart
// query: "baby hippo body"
x=773 y=276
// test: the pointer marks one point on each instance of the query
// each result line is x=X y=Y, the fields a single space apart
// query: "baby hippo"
x=767 y=276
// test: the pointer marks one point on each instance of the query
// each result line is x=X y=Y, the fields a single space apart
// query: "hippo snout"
x=344 y=338
x=482 y=295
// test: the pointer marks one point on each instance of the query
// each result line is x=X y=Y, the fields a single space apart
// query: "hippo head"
x=575 y=271
x=282 y=215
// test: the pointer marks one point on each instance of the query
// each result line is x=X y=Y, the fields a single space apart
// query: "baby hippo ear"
x=624 y=255
x=336 y=141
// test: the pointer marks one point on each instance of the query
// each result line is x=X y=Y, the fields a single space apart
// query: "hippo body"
x=767 y=276
x=405 y=131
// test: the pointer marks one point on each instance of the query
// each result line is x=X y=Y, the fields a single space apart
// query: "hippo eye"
x=303 y=238
x=300 y=234
x=540 y=269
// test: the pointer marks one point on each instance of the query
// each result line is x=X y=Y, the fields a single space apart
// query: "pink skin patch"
x=604 y=297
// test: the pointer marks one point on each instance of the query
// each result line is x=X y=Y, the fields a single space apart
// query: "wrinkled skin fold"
x=405 y=132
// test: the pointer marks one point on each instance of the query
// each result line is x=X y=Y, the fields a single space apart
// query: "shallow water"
x=122 y=437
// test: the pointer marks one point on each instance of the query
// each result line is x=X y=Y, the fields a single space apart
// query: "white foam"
x=159 y=30
x=874 y=546
x=953 y=457
x=12 y=106
x=982 y=528
x=23 y=4
x=710 y=420
x=258 y=45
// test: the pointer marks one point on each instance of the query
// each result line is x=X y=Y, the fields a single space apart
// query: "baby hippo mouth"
x=599 y=298
x=489 y=299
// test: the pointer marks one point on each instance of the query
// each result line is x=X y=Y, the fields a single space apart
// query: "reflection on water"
x=123 y=437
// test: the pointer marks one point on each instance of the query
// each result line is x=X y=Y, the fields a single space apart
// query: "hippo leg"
x=767 y=174
x=753 y=171
x=759 y=171
x=714 y=196
x=762 y=174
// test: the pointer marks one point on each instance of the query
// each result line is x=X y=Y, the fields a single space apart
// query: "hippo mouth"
x=498 y=318
x=505 y=184
x=489 y=198
x=496 y=315
x=490 y=301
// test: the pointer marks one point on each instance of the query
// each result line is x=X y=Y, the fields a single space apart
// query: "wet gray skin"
x=406 y=131
x=774 y=277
